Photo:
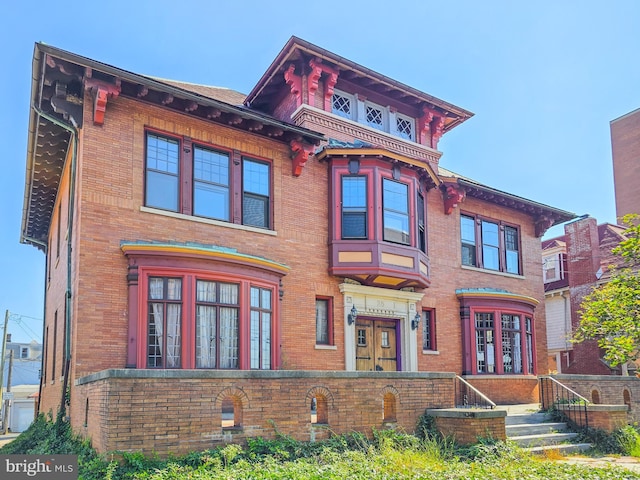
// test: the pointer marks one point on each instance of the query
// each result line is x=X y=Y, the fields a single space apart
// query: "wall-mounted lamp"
x=352 y=316
x=415 y=322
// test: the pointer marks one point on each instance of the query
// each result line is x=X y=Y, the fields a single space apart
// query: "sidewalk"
x=4 y=439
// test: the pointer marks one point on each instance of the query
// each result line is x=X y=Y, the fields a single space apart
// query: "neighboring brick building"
x=573 y=264
x=625 y=147
x=220 y=265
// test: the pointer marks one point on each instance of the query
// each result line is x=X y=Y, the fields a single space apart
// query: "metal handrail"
x=585 y=400
x=469 y=401
x=555 y=395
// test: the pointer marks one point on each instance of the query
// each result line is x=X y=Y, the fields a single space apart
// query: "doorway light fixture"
x=351 y=318
x=415 y=322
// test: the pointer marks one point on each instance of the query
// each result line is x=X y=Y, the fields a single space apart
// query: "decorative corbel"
x=313 y=78
x=295 y=83
x=453 y=195
x=437 y=129
x=101 y=92
x=424 y=126
x=329 y=84
x=299 y=154
x=542 y=224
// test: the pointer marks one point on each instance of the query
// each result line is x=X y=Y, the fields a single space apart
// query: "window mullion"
x=186 y=176
x=235 y=195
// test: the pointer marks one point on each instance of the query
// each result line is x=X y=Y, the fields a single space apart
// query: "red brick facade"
x=625 y=146
x=118 y=244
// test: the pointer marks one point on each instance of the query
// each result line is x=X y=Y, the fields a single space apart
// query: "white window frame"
x=412 y=123
x=352 y=100
x=384 y=127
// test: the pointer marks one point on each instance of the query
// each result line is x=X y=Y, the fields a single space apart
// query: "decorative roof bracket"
x=542 y=224
x=300 y=154
x=101 y=92
x=453 y=195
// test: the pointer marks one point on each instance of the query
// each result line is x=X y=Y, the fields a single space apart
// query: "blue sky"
x=544 y=80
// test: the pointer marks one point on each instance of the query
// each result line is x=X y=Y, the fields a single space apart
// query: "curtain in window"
x=173 y=335
x=205 y=337
x=228 y=338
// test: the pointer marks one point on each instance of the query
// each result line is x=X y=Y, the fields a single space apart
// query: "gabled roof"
x=544 y=215
x=299 y=52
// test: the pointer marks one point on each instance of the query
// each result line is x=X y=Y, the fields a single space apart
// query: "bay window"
x=395 y=206
x=164 y=323
x=354 y=207
x=260 y=328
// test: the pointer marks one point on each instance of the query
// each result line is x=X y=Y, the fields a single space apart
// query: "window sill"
x=208 y=221
x=326 y=347
x=493 y=272
x=502 y=376
x=430 y=352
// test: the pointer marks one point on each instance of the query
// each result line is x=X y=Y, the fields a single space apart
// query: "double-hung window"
x=162 y=172
x=255 y=193
x=395 y=200
x=490 y=244
x=222 y=185
x=354 y=207
x=211 y=188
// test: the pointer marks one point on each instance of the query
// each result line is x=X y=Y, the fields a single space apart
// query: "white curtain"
x=228 y=326
x=206 y=340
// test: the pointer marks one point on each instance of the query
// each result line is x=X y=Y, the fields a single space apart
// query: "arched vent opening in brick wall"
x=595 y=396
x=319 y=410
x=626 y=397
x=231 y=413
x=389 y=408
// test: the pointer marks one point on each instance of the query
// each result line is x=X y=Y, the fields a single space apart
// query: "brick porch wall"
x=506 y=389
x=610 y=390
x=178 y=411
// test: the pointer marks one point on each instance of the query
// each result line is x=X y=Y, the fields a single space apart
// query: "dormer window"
x=405 y=127
x=343 y=104
x=552 y=268
x=373 y=115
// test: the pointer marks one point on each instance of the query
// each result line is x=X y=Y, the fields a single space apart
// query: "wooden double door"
x=376 y=345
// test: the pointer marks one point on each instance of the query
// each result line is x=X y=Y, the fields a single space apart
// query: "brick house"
x=573 y=264
x=625 y=149
x=221 y=265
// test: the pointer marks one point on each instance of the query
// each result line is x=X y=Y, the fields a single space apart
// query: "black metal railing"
x=467 y=396
x=556 y=396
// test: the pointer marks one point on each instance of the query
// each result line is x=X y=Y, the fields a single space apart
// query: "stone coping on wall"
x=596 y=407
x=466 y=413
x=132 y=373
x=594 y=378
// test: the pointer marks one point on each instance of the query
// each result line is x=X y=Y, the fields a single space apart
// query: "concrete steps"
x=531 y=429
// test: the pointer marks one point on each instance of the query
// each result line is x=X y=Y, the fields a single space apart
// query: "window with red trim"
x=195 y=320
x=324 y=321
x=429 y=330
x=216 y=177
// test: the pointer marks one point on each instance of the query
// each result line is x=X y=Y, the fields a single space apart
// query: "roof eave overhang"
x=459 y=114
x=307 y=135
x=423 y=166
x=549 y=215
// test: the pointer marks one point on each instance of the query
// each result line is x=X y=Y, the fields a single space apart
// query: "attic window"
x=375 y=117
x=404 y=126
x=342 y=104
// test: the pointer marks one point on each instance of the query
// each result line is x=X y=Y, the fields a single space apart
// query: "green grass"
x=386 y=455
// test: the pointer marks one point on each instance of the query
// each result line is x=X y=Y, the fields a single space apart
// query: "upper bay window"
x=376 y=116
x=395 y=202
x=381 y=204
x=489 y=244
x=354 y=207
x=224 y=185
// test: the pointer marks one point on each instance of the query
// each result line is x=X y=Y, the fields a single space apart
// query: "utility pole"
x=7 y=402
x=4 y=350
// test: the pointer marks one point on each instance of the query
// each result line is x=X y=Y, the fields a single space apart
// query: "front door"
x=376 y=347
